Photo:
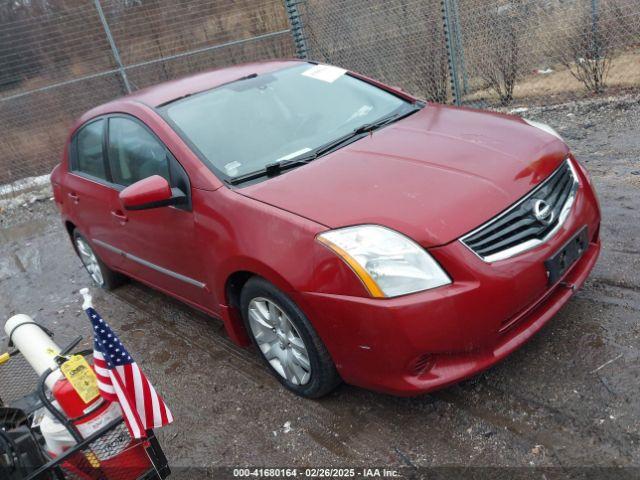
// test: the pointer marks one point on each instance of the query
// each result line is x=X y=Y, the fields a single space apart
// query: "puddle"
x=23 y=231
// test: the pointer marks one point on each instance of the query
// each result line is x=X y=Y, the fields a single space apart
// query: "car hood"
x=433 y=176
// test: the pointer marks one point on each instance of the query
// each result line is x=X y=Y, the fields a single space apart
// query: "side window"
x=89 y=157
x=134 y=153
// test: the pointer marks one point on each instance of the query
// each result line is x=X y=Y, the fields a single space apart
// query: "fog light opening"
x=421 y=364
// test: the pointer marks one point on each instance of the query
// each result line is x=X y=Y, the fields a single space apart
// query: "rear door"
x=159 y=244
x=89 y=195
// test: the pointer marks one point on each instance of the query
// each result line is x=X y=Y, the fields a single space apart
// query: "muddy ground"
x=567 y=399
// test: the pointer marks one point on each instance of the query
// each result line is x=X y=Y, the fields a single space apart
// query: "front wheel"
x=286 y=340
x=102 y=275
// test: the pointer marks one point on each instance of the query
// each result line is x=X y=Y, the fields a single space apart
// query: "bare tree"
x=587 y=51
x=501 y=64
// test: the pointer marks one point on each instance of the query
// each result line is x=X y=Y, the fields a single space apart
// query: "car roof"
x=166 y=92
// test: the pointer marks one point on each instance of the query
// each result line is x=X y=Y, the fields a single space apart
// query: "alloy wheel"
x=89 y=260
x=279 y=340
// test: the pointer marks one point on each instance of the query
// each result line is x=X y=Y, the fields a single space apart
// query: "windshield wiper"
x=370 y=127
x=273 y=169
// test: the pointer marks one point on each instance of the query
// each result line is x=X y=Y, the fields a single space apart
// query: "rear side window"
x=89 y=158
x=134 y=153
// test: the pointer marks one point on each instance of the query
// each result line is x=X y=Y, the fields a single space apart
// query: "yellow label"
x=81 y=377
x=92 y=459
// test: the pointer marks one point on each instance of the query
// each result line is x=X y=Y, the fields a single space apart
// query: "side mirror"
x=151 y=192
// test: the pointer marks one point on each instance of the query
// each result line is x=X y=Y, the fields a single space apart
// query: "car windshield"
x=243 y=126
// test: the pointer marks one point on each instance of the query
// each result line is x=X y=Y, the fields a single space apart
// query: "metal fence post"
x=595 y=43
x=453 y=67
x=112 y=44
x=459 y=47
x=297 y=28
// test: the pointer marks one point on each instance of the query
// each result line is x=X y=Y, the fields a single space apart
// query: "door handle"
x=121 y=217
x=74 y=197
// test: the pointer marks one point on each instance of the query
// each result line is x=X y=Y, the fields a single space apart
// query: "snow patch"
x=23 y=184
x=25 y=192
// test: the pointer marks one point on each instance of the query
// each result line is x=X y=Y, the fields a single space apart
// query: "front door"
x=159 y=245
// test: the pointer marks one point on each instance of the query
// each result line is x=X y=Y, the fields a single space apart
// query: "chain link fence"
x=59 y=58
x=483 y=53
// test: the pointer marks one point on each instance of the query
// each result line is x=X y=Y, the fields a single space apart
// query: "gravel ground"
x=565 y=405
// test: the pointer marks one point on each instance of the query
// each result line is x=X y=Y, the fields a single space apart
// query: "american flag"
x=120 y=380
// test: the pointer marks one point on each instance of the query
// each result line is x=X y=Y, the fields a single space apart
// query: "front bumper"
x=421 y=342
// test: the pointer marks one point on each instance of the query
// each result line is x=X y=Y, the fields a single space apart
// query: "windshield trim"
x=162 y=111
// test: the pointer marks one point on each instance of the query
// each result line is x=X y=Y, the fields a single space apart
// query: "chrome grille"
x=528 y=223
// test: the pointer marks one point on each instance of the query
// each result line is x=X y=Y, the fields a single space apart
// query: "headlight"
x=544 y=127
x=388 y=263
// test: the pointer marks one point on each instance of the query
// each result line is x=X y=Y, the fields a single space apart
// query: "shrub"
x=587 y=50
x=501 y=66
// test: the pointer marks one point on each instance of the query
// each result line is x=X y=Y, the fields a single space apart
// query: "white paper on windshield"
x=325 y=73
x=295 y=154
x=232 y=168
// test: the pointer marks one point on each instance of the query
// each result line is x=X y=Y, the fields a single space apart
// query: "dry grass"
x=538 y=88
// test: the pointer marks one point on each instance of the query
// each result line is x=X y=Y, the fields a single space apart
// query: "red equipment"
x=120 y=457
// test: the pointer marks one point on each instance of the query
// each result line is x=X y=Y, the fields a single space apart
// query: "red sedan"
x=347 y=229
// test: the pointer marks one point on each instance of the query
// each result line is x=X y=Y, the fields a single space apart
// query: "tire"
x=101 y=275
x=281 y=346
